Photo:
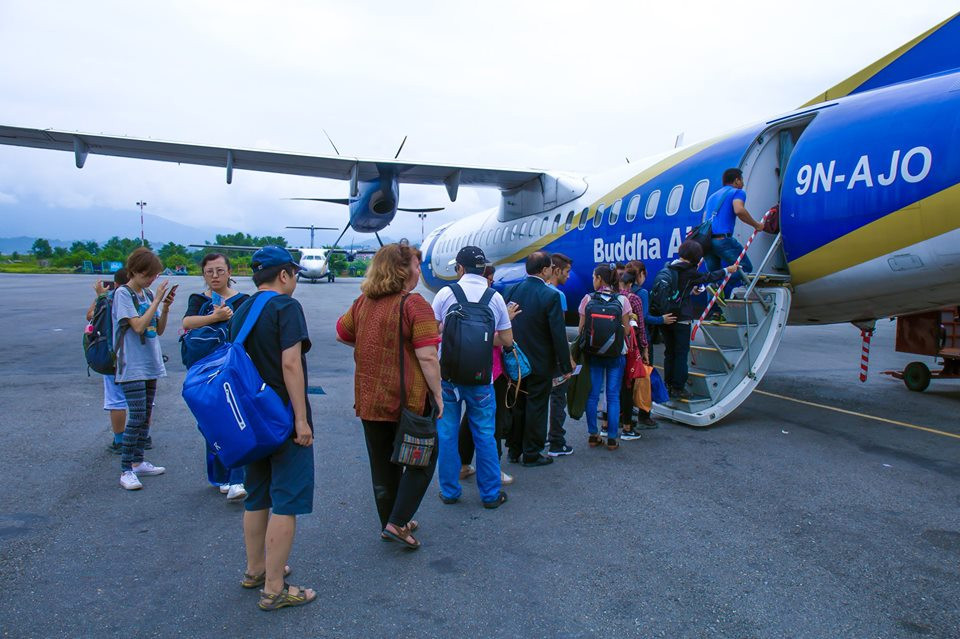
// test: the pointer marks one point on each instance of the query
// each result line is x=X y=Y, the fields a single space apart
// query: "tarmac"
x=822 y=507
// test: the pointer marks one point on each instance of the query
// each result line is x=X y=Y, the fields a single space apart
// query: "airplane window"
x=632 y=208
x=498 y=236
x=490 y=236
x=699 y=197
x=673 y=200
x=513 y=232
x=653 y=201
x=615 y=212
x=556 y=224
x=598 y=216
x=568 y=223
x=533 y=227
x=582 y=223
x=523 y=229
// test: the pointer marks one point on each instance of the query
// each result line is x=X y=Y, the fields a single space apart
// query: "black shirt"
x=197 y=300
x=280 y=326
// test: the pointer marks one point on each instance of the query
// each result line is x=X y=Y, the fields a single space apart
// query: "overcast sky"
x=571 y=86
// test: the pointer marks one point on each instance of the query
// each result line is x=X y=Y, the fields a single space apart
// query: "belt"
x=720 y=236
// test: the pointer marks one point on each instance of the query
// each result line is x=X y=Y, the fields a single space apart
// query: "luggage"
x=703 y=234
x=466 y=350
x=603 y=333
x=241 y=417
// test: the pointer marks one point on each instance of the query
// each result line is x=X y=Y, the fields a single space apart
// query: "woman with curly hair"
x=373 y=326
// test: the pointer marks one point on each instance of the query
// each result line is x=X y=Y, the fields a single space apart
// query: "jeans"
x=724 y=252
x=480 y=406
x=676 y=342
x=607 y=370
x=500 y=430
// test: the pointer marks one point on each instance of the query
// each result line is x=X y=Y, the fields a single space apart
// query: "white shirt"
x=474 y=286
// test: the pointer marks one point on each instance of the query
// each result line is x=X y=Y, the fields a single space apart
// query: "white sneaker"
x=146 y=469
x=505 y=479
x=236 y=493
x=224 y=489
x=130 y=481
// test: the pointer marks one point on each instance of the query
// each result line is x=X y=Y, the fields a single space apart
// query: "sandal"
x=412 y=525
x=284 y=599
x=594 y=440
x=612 y=444
x=255 y=581
x=402 y=535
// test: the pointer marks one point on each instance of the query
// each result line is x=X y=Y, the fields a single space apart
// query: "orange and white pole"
x=865 y=354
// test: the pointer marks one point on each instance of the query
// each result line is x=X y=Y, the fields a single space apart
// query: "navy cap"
x=470 y=257
x=269 y=256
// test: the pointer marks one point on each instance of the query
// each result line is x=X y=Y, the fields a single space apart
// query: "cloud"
x=6 y=198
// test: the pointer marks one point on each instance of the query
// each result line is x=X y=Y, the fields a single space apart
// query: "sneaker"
x=560 y=451
x=146 y=469
x=603 y=432
x=646 y=423
x=115 y=448
x=236 y=493
x=224 y=489
x=629 y=436
x=130 y=481
x=505 y=479
x=612 y=444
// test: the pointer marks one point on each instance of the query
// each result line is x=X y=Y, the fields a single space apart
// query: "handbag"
x=642 y=396
x=516 y=364
x=635 y=367
x=703 y=234
x=416 y=438
x=658 y=390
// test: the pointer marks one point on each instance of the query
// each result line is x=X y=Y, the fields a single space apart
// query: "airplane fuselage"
x=869 y=206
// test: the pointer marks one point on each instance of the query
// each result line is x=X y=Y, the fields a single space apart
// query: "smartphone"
x=167 y=293
x=108 y=284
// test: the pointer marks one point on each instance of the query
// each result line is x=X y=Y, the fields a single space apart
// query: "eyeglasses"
x=212 y=272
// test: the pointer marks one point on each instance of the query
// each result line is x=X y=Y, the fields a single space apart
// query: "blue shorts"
x=113 y=398
x=283 y=481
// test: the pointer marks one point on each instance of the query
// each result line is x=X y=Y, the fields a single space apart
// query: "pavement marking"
x=863 y=415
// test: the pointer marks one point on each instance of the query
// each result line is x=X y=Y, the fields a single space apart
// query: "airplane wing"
x=231 y=247
x=322 y=166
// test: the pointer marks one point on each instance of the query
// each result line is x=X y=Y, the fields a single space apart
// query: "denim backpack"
x=241 y=417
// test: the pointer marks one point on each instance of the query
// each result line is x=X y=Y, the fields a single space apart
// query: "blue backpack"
x=197 y=343
x=241 y=417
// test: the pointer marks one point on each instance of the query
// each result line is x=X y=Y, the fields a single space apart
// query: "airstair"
x=729 y=358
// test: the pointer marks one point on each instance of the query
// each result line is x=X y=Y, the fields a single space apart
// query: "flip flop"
x=284 y=599
x=401 y=537
x=255 y=581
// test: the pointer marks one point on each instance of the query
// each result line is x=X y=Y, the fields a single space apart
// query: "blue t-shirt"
x=563 y=298
x=725 y=219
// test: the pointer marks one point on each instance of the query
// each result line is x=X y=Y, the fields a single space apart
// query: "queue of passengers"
x=401 y=380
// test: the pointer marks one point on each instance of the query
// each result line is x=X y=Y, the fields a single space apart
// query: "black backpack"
x=466 y=352
x=603 y=333
x=665 y=292
x=99 y=343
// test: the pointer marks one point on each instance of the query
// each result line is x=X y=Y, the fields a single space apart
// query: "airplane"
x=866 y=176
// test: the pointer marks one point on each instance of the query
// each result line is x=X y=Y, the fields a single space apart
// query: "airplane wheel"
x=330 y=277
x=916 y=376
x=298 y=277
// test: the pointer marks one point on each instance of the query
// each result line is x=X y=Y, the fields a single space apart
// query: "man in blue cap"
x=282 y=482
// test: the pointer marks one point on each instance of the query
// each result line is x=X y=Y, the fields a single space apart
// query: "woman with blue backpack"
x=205 y=323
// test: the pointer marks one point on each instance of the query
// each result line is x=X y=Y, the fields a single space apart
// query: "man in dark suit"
x=539 y=329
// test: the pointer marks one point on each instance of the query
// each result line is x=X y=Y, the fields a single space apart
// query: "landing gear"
x=330 y=277
x=916 y=376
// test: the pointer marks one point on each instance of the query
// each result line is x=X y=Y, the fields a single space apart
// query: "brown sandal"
x=255 y=581
x=402 y=535
x=412 y=525
x=612 y=444
x=594 y=440
x=284 y=599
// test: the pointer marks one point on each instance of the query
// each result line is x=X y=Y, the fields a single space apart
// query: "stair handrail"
x=716 y=294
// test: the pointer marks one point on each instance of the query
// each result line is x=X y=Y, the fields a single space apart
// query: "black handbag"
x=416 y=440
x=703 y=234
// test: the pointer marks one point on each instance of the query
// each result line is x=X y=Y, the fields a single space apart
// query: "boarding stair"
x=729 y=358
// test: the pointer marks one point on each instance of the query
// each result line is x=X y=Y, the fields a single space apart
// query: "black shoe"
x=539 y=460
x=560 y=451
x=449 y=500
x=646 y=423
x=514 y=459
x=115 y=448
x=679 y=393
x=496 y=503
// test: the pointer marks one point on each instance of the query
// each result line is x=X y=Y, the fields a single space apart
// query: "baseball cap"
x=470 y=257
x=269 y=256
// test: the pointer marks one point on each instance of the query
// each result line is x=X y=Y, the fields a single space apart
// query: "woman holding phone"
x=213 y=306
x=138 y=322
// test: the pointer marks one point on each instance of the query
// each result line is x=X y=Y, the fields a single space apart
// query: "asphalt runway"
x=785 y=520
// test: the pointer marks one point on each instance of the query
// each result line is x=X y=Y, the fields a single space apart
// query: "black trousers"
x=398 y=490
x=558 y=415
x=528 y=433
x=501 y=424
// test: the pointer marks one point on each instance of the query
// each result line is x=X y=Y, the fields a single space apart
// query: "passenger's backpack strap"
x=253 y=315
x=458 y=293
x=486 y=297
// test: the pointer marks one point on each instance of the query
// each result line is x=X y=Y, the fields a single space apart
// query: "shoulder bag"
x=416 y=438
x=703 y=234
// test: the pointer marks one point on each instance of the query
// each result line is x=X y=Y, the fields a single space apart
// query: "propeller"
x=401 y=148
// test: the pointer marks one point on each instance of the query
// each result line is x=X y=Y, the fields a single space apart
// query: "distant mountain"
x=23 y=244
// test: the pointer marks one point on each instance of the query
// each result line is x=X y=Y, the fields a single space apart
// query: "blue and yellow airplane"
x=866 y=175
